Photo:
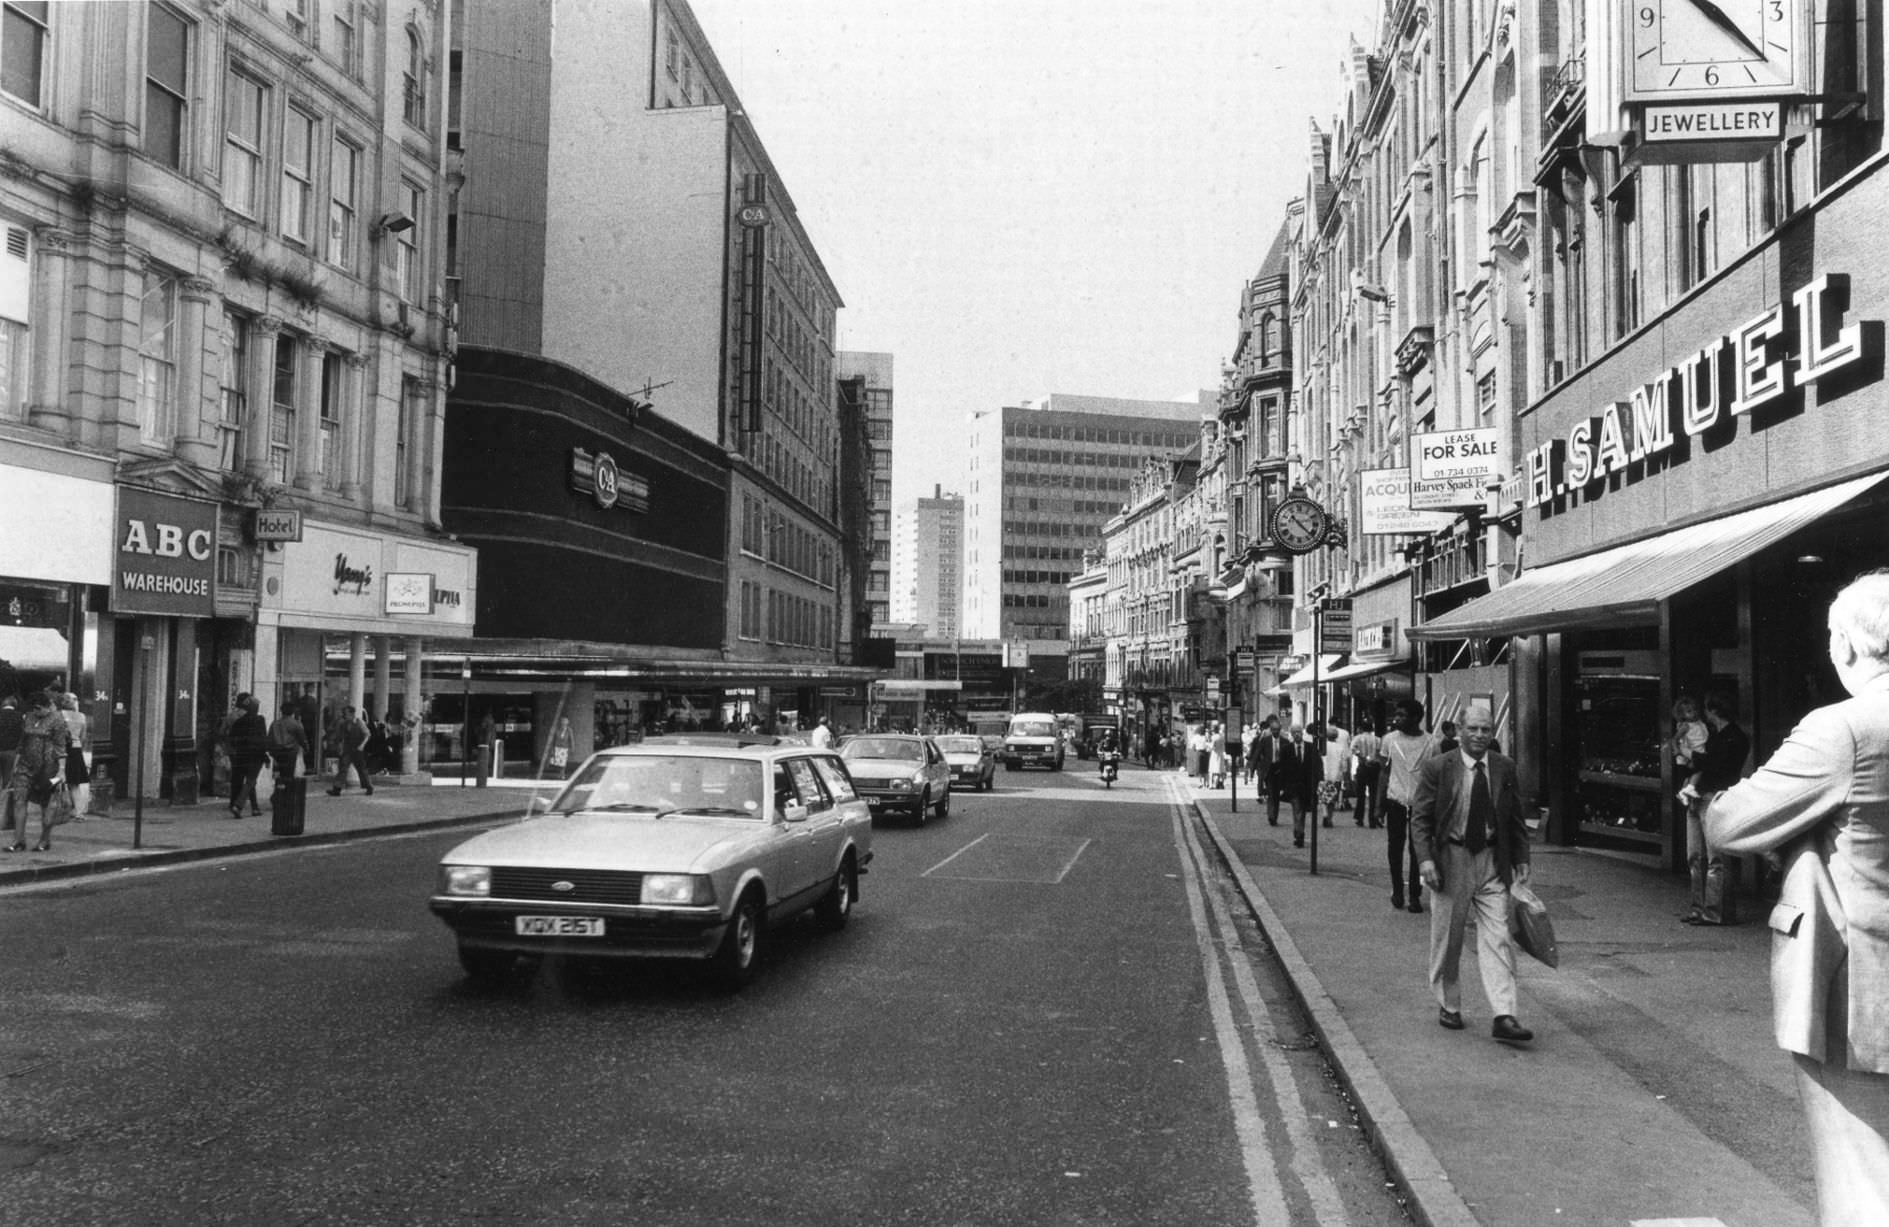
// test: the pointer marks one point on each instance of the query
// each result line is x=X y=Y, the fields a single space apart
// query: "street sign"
x=1335 y=632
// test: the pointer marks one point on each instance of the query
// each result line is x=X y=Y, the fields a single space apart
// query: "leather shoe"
x=1397 y=905
x=1416 y=907
x=1506 y=1029
x=1451 y=1019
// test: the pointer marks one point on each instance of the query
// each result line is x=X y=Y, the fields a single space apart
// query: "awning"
x=1303 y=677
x=33 y=647
x=1363 y=668
x=1627 y=582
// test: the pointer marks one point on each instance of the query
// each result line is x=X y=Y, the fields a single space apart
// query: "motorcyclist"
x=1109 y=754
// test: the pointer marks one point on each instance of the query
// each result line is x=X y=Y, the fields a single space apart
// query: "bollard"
x=485 y=764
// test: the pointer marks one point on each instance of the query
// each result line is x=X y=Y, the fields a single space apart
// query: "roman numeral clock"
x=1709 y=80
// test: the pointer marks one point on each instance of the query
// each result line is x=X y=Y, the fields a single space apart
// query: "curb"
x=1433 y=1200
x=183 y=856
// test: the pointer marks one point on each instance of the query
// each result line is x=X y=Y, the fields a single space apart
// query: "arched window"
x=413 y=80
x=1268 y=339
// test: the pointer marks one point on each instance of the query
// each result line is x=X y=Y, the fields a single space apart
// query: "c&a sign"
x=164 y=561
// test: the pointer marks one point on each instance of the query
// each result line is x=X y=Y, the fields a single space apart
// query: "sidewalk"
x=1652 y=1093
x=170 y=834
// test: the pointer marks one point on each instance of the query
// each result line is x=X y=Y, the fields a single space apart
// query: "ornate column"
x=195 y=441
x=259 y=394
x=46 y=406
x=383 y=675
x=357 y=428
x=309 y=358
x=357 y=671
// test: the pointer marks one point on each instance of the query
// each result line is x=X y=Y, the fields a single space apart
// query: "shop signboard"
x=1453 y=468
x=348 y=577
x=1384 y=501
x=1375 y=639
x=166 y=555
x=409 y=592
x=1335 y=629
x=274 y=525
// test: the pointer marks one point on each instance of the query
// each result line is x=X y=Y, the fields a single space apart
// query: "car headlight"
x=465 y=880
x=677 y=888
x=900 y=785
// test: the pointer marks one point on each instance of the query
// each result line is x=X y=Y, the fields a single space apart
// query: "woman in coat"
x=39 y=768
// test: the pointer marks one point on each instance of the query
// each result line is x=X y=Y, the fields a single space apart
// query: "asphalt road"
x=1043 y=1012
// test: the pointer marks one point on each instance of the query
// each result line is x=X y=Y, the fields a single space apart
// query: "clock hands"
x=1717 y=17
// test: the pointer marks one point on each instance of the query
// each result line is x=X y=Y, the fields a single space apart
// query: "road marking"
x=1007 y=858
x=955 y=855
x=1304 y=1159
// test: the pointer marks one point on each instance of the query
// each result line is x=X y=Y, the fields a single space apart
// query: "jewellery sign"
x=166 y=555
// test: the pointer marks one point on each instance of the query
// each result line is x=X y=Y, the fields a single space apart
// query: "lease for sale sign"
x=1453 y=468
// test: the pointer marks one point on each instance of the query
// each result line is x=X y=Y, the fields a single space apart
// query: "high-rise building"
x=873 y=372
x=926 y=563
x=1044 y=477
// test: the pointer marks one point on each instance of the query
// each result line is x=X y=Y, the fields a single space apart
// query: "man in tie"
x=1471 y=842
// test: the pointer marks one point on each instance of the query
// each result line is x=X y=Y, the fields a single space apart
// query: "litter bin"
x=289 y=804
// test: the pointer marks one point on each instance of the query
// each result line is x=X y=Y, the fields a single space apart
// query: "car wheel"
x=739 y=955
x=944 y=805
x=837 y=904
x=486 y=966
x=924 y=807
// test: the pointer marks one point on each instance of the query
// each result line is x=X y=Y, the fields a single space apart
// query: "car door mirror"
x=795 y=813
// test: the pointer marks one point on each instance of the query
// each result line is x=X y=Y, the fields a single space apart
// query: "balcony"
x=1563 y=100
x=1413 y=352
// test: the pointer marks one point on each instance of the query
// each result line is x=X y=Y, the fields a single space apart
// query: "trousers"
x=1470 y=882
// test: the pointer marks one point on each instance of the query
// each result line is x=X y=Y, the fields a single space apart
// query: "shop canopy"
x=1303 y=677
x=1362 y=668
x=1627 y=582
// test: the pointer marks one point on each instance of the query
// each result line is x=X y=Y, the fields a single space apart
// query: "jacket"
x=1440 y=783
x=1822 y=801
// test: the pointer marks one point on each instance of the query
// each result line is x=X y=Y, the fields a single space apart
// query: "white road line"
x=1071 y=862
x=1262 y=1182
x=955 y=855
x=1306 y=1162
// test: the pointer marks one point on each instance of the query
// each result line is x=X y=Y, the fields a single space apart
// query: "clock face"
x=1299 y=524
x=1712 y=48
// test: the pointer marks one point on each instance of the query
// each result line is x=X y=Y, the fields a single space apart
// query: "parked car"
x=900 y=771
x=673 y=851
x=972 y=762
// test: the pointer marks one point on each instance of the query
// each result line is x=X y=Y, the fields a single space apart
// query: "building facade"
x=872 y=373
x=927 y=562
x=225 y=353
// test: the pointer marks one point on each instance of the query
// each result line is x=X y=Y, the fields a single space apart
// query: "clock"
x=1714 y=49
x=1299 y=525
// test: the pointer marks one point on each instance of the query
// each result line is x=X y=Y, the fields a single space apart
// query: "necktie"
x=1481 y=812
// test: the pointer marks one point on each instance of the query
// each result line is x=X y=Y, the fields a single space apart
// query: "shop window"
x=245 y=103
x=157 y=359
x=166 y=84
x=23 y=49
x=16 y=285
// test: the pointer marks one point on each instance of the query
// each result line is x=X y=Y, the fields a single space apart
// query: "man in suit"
x=1822 y=803
x=1471 y=842
x=1279 y=769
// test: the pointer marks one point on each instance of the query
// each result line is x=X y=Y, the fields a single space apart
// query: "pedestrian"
x=823 y=734
x=1367 y=768
x=379 y=746
x=1446 y=737
x=12 y=729
x=1717 y=765
x=1471 y=844
x=249 y=744
x=351 y=736
x=1301 y=764
x=1268 y=750
x=1335 y=769
x=1216 y=756
x=1249 y=737
x=308 y=715
x=39 y=768
x=1820 y=803
x=1404 y=747
x=78 y=774
x=1690 y=733
x=557 y=759
x=287 y=743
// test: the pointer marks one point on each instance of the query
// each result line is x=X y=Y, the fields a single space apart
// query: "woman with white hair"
x=78 y=774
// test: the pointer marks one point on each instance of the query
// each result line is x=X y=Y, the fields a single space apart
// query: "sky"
x=1018 y=197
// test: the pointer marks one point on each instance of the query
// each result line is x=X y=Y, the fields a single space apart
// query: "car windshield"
x=960 y=745
x=883 y=747
x=662 y=784
x=1033 y=728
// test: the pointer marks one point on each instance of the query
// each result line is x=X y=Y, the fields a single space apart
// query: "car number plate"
x=558 y=926
x=875 y=802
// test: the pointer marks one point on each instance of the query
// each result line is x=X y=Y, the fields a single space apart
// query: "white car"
x=689 y=850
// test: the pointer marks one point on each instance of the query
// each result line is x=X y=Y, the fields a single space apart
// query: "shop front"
x=1377 y=672
x=375 y=621
x=1693 y=501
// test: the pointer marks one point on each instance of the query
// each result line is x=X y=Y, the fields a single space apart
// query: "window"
x=22 y=48
x=235 y=404
x=407 y=246
x=343 y=181
x=298 y=176
x=413 y=80
x=157 y=319
x=410 y=410
x=166 y=80
x=344 y=44
x=16 y=283
x=244 y=103
x=295 y=13
x=282 y=411
x=333 y=371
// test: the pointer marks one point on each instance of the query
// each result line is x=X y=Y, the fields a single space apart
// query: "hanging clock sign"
x=1716 y=49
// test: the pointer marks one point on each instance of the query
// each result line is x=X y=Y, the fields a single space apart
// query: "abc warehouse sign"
x=1753 y=366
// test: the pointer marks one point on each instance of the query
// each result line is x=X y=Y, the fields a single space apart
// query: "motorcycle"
x=1111 y=765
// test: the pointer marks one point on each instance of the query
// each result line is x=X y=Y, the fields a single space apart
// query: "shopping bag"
x=59 y=807
x=1530 y=926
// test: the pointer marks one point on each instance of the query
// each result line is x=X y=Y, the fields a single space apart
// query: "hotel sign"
x=1753 y=367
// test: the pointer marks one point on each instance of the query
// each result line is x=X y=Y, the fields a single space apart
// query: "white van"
x=1035 y=739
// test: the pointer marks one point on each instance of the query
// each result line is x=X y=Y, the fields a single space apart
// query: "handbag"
x=59 y=809
x=1530 y=926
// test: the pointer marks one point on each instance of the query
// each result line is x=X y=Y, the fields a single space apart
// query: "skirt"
x=76 y=774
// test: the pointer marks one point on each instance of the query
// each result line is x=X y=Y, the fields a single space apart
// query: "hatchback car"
x=670 y=851
x=900 y=771
x=972 y=763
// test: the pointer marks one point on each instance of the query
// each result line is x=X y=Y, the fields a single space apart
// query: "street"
x=1044 y=1012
